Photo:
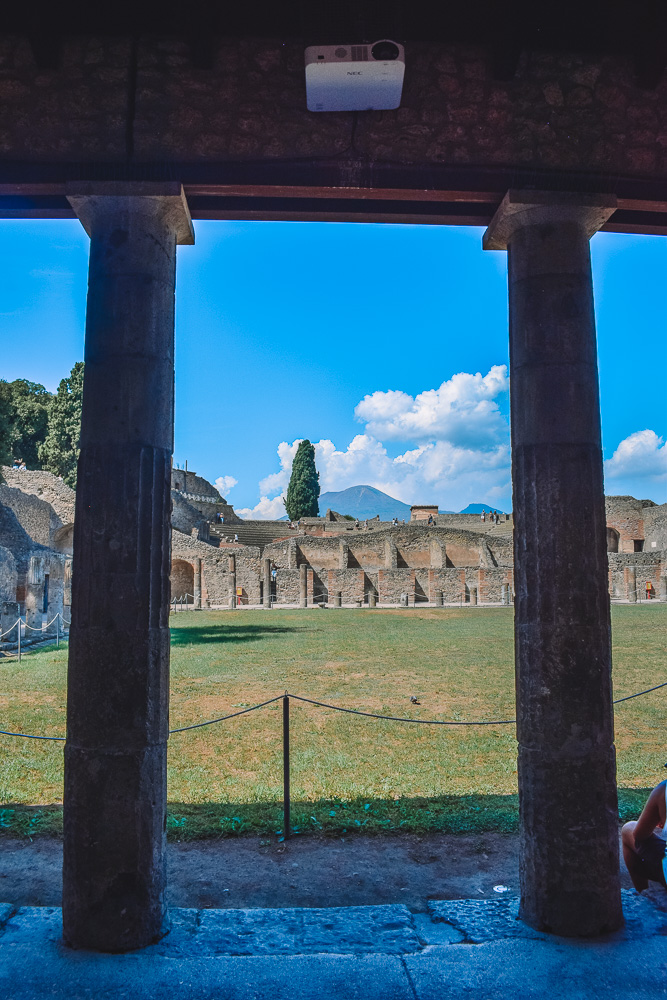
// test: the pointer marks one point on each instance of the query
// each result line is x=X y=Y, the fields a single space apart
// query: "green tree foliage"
x=29 y=405
x=60 y=452
x=304 y=486
x=6 y=424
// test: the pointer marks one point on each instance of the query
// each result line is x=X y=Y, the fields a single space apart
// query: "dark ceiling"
x=637 y=28
x=575 y=24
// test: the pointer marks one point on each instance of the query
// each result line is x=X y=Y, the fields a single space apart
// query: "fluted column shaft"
x=569 y=870
x=118 y=677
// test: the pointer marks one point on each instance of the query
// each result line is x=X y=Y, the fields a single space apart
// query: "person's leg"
x=632 y=860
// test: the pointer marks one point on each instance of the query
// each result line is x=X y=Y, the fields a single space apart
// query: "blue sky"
x=385 y=345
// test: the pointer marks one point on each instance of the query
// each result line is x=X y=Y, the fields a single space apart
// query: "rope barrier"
x=211 y=722
x=28 y=736
x=617 y=701
x=19 y=621
x=349 y=711
x=396 y=718
x=12 y=627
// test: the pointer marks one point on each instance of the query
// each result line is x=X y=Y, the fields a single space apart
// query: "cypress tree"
x=303 y=491
x=60 y=451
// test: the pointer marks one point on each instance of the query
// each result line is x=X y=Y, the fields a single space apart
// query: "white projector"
x=355 y=77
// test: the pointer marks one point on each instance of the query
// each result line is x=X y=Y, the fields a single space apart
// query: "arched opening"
x=63 y=538
x=182 y=581
x=612 y=540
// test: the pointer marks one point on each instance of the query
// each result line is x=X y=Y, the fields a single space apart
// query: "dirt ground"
x=305 y=871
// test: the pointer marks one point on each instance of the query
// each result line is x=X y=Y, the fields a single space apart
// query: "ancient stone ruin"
x=221 y=561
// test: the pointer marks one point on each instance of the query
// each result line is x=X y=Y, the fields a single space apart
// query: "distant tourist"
x=236 y=538
x=483 y=515
x=649 y=590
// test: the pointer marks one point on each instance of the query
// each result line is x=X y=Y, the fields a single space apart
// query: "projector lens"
x=384 y=51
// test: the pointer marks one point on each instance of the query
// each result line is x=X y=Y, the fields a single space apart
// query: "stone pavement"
x=457 y=948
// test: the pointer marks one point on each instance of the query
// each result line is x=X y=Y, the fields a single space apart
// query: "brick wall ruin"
x=458 y=556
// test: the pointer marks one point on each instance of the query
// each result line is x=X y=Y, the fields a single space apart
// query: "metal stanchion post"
x=58 y=631
x=286 y=794
x=19 y=638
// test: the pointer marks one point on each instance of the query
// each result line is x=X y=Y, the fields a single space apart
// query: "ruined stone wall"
x=287 y=586
x=626 y=516
x=217 y=581
x=563 y=111
x=321 y=553
x=655 y=527
x=45 y=486
x=651 y=565
x=490 y=582
x=185 y=516
x=8 y=575
x=36 y=516
x=353 y=584
x=192 y=483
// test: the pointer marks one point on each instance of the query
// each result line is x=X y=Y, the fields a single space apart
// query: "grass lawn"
x=347 y=773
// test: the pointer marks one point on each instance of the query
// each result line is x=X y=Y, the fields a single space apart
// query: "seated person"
x=644 y=844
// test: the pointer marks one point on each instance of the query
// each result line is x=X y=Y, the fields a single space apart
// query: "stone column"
x=338 y=599
x=34 y=598
x=118 y=680
x=67 y=582
x=631 y=584
x=8 y=619
x=438 y=599
x=663 y=588
x=303 y=585
x=372 y=599
x=267 y=583
x=473 y=595
x=55 y=601
x=197 y=584
x=569 y=869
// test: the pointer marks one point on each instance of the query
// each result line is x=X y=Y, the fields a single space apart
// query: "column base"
x=114 y=870
x=569 y=860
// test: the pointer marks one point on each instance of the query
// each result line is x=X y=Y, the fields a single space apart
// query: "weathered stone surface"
x=118 y=680
x=567 y=789
x=357 y=930
x=480 y=920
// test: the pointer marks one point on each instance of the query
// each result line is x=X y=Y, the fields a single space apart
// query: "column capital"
x=532 y=208
x=167 y=198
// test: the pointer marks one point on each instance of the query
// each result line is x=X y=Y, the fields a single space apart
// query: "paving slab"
x=480 y=920
x=458 y=948
x=526 y=969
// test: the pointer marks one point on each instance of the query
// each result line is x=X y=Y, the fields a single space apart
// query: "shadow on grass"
x=334 y=817
x=226 y=633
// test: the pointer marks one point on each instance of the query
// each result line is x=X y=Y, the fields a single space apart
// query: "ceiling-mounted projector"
x=355 y=77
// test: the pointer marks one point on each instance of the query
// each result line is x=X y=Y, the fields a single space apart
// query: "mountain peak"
x=364 y=501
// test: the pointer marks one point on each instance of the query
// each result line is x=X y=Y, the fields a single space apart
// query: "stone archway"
x=612 y=540
x=182 y=581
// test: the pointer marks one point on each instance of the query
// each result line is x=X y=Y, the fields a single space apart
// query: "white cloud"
x=462 y=411
x=265 y=510
x=437 y=472
x=642 y=455
x=224 y=484
x=461 y=454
